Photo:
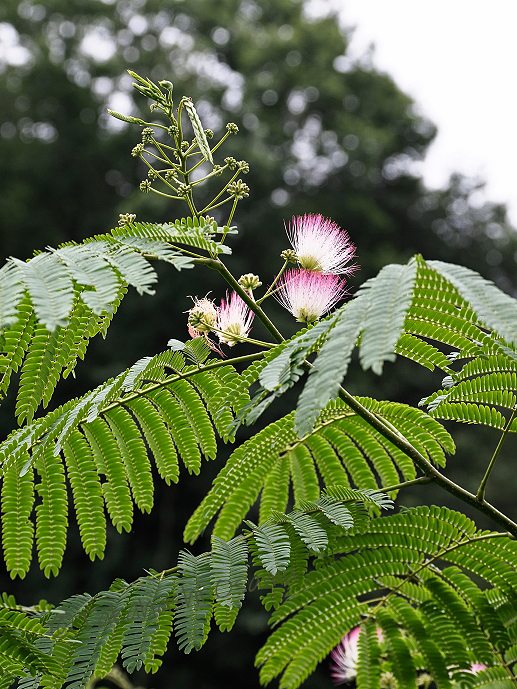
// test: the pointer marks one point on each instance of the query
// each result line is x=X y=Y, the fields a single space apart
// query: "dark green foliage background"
x=76 y=185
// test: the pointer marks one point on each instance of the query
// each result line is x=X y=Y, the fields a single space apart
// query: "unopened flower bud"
x=137 y=151
x=126 y=218
x=170 y=176
x=173 y=130
x=388 y=681
x=238 y=190
x=209 y=134
x=243 y=167
x=202 y=316
x=231 y=162
x=249 y=282
x=145 y=186
x=232 y=128
x=289 y=255
x=184 y=145
x=152 y=174
x=147 y=135
x=184 y=189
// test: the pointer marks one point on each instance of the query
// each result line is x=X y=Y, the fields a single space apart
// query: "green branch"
x=481 y=490
x=391 y=434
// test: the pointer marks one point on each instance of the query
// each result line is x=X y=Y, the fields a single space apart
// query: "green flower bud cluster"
x=147 y=135
x=126 y=218
x=170 y=176
x=138 y=151
x=184 y=189
x=289 y=255
x=179 y=156
x=238 y=190
x=231 y=162
x=249 y=282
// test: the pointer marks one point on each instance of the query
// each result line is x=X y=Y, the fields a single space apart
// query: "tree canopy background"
x=322 y=134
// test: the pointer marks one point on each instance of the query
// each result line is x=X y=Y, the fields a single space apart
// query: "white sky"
x=458 y=59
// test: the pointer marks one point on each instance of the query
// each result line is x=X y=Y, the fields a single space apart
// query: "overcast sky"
x=458 y=59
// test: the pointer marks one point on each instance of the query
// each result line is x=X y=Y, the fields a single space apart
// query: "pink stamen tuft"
x=321 y=245
x=234 y=319
x=344 y=658
x=308 y=295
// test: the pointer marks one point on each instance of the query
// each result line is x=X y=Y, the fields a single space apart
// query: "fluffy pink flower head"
x=343 y=667
x=308 y=295
x=477 y=667
x=234 y=319
x=320 y=244
x=344 y=656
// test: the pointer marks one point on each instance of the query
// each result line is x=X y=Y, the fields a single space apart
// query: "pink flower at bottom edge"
x=344 y=658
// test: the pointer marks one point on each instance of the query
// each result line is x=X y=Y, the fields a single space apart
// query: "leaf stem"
x=481 y=490
x=423 y=480
x=424 y=465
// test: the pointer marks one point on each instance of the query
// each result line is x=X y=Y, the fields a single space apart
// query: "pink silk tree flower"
x=234 y=319
x=477 y=667
x=321 y=245
x=308 y=295
x=344 y=656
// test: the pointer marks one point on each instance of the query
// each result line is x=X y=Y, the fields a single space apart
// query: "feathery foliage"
x=434 y=597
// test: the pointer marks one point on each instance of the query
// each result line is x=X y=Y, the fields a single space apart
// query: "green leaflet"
x=133 y=452
x=87 y=492
x=51 y=513
x=229 y=566
x=273 y=547
x=331 y=365
x=50 y=288
x=147 y=600
x=199 y=132
x=109 y=464
x=11 y=292
x=17 y=528
x=492 y=306
x=193 y=602
x=389 y=298
x=368 y=666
